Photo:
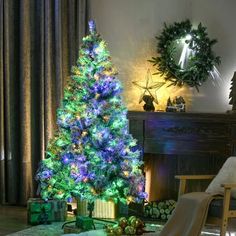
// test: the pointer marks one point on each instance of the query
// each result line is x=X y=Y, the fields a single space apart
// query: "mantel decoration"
x=149 y=90
x=177 y=105
x=185 y=55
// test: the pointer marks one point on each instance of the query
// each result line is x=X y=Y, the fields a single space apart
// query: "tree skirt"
x=42 y=230
x=55 y=230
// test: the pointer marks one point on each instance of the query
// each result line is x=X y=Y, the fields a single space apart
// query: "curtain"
x=39 y=41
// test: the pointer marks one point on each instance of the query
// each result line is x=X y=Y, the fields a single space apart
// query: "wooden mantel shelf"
x=184 y=133
x=182 y=115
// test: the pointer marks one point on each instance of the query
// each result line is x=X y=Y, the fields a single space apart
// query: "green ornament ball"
x=133 y=223
x=109 y=229
x=131 y=218
x=139 y=223
x=117 y=230
x=110 y=232
x=129 y=230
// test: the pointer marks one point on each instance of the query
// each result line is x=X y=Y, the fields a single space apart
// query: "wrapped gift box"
x=40 y=211
x=85 y=223
x=103 y=209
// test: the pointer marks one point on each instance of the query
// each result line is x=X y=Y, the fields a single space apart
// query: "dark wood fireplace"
x=181 y=143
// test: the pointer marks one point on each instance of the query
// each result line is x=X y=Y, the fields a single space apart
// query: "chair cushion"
x=216 y=207
x=227 y=174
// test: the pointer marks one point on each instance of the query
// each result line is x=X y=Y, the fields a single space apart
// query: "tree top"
x=92 y=27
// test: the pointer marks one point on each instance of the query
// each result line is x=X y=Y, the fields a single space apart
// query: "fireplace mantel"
x=184 y=133
x=181 y=143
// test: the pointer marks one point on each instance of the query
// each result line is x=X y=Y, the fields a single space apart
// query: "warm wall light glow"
x=149 y=87
x=135 y=69
x=132 y=96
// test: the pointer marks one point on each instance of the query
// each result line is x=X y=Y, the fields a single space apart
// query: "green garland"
x=200 y=63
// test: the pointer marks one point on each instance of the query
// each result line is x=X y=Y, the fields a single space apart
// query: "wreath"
x=196 y=61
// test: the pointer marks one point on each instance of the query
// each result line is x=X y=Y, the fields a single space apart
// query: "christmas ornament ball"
x=122 y=222
x=130 y=230
x=110 y=232
x=117 y=230
x=139 y=231
x=131 y=218
x=137 y=223
x=109 y=228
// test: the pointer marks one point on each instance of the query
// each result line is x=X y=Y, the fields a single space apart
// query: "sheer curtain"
x=39 y=41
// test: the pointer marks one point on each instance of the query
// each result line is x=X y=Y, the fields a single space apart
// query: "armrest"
x=183 y=179
x=227 y=213
x=228 y=185
x=197 y=177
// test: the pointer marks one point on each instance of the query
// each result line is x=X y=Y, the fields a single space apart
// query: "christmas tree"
x=92 y=155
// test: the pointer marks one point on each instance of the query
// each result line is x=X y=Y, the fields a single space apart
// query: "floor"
x=12 y=219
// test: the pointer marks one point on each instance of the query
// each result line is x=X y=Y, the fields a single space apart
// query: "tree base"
x=72 y=229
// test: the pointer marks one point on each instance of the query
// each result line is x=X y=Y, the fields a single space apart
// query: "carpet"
x=55 y=230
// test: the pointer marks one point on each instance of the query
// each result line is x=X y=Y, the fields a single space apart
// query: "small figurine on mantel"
x=180 y=104
x=148 y=106
x=232 y=94
x=170 y=106
x=177 y=105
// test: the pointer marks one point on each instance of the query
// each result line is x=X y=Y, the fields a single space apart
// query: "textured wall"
x=130 y=26
x=219 y=17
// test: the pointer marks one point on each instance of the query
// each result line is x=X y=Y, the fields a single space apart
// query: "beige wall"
x=129 y=27
x=219 y=17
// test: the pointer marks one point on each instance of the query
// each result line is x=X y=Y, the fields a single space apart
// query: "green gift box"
x=39 y=206
x=85 y=223
x=40 y=211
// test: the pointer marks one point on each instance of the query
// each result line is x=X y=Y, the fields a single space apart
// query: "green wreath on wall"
x=185 y=54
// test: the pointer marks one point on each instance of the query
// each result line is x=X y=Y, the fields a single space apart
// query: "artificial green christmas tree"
x=92 y=155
